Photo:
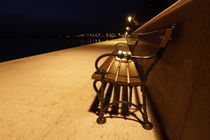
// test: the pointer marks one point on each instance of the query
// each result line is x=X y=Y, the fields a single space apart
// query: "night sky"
x=45 y=17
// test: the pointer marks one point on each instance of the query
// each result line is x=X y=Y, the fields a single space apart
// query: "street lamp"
x=129 y=18
x=127 y=28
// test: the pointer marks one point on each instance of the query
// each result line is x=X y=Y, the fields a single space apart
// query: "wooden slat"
x=106 y=63
x=122 y=76
x=96 y=76
x=132 y=69
x=104 y=66
x=118 y=70
x=133 y=74
x=111 y=75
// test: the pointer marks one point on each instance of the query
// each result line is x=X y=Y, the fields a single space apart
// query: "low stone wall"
x=179 y=84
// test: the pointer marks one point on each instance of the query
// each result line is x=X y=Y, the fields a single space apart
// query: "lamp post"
x=129 y=25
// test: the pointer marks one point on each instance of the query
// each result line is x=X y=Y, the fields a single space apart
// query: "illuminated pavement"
x=47 y=97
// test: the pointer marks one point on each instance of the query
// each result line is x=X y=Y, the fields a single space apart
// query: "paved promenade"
x=47 y=97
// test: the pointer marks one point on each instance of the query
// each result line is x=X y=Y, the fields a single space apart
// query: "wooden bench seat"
x=122 y=72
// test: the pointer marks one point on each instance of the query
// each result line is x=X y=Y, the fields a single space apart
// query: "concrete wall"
x=180 y=82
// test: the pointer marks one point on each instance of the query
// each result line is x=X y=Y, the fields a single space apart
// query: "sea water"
x=13 y=48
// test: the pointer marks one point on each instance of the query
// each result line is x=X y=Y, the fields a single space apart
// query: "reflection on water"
x=94 y=40
x=17 y=48
x=89 y=41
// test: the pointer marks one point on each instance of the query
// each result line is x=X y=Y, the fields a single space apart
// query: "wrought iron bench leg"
x=130 y=98
x=146 y=125
x=100 y=93
x=101 y=119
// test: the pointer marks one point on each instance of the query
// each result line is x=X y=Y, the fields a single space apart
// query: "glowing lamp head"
x=129 y=18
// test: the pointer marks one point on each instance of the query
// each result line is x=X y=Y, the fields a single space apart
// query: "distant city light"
x=127 y=28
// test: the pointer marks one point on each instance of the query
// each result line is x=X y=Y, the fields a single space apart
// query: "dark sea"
x=22 y=47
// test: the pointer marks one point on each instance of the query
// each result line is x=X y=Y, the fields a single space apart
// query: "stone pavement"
x=47 y=97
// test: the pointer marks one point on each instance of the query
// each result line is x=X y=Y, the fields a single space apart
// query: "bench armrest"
x=115 y=46
x=129 y=57
x=144 y=57
x=157 y=54
x=99 y=58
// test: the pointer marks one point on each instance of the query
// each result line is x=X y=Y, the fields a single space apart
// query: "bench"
x=124 y=67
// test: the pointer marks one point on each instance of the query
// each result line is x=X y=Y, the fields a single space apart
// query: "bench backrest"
x=154 y=42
